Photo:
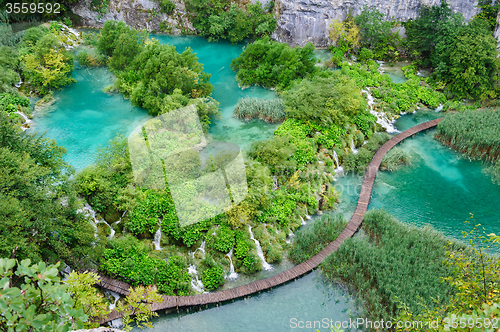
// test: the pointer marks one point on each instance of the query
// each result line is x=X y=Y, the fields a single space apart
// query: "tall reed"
x=270 y=110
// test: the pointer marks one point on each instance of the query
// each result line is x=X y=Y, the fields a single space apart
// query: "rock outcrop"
x=303 y=21
x=299 y=21
x=140 y=14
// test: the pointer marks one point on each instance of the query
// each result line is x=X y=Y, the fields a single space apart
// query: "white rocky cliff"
x=303 y=21
x=299 y=21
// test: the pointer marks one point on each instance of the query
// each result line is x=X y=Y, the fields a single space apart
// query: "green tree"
x=433 y=31
x=37 y=201
x=86 y=296
x=137 y=307
x=469 y=64
x=49 y=66
x=273 y=64
x=345 y=34
x=33 y=299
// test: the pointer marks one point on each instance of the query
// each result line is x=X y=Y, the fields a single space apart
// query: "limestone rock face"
x=140 y=14
x=303 y=21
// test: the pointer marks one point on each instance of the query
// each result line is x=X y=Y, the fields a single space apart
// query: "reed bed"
x=393 y=260
x=475 y=134
x=395 y=159
x=268 y=110
x=311 y=240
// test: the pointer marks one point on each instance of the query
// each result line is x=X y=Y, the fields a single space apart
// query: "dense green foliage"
x=213 y=278
x=222 y=19
x=269 y=110
x=395 y=158
x=142 y=76
x=476 y=134
x=32 y=298
x=129 y=258
x=463 y=55
x=273 y=64
x=377 y=40
x=310 y=241
x=394 y=263
x=357 y=162
x=394 y=98
x=166 y=6
x=37 y=202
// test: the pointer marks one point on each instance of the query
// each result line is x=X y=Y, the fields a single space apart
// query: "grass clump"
x=268 y=110
x=475 y=134
x=358 y=162
x=395 y=263
x=312 y=240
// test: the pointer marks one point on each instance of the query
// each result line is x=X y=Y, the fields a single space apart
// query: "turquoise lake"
x=439 y=188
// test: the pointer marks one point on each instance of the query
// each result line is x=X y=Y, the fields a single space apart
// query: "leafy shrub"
x=269 y=110
x=273 y=64
x=166 y=6
x=223 y=240
x=329 y=99
x=213 y=278
x=358 y=162
x=11 y=101
x=277 y=153
x=310 y=241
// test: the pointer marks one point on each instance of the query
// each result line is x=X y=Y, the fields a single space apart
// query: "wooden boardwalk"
x=294 y=272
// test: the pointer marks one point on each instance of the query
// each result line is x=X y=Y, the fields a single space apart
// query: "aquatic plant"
x=395 y=158
x=270 y=110
x=394 y=263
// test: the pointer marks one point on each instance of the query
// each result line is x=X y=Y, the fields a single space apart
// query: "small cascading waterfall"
x=265 y=265
x=439 y=108
x=308 y=217
x=303 y=221
x=157 y=237
x=88 y=211
x=290 y=235
x=115 y=295
x=232 y=275
x=381 y=116
x=275 y=182
x=196 y=283
x=338 y=169
x=112 y=234
x=353 y=147
x=201 y=248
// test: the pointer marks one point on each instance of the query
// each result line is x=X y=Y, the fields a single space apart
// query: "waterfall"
x=381 y=116
x=336 y=158
x=353 y=147
x=232 y=275
x=88 y=211
x=303 y=221
x=265 y=265
x=26 y=119
x=290 y=235
x=196 y=282
x=201 y=248
x=18 y=84
x=157 y=238
x=439 y=108
x=115 y=295
x=275 y=182
x=308 y=217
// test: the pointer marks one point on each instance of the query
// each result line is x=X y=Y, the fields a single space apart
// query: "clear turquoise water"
x=440 y=188
x=84 y=117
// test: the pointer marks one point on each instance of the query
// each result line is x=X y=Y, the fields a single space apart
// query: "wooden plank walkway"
x=296 y=271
